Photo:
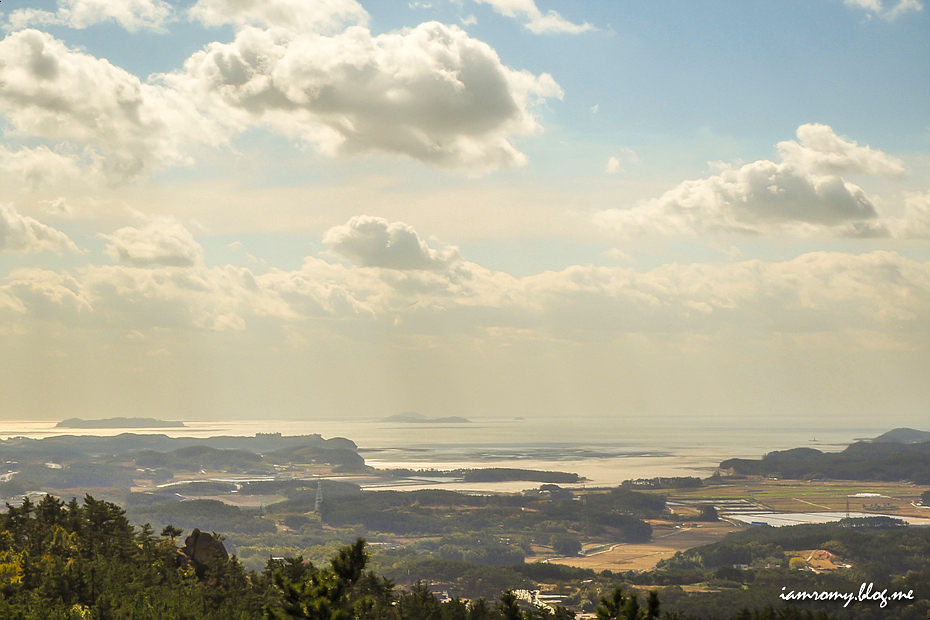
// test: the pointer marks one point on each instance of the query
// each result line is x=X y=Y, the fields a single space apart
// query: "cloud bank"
x=161 y=280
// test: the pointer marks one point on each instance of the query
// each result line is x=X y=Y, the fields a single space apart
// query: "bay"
x=605 y=450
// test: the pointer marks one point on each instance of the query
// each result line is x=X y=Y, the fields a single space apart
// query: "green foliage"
x=345 y=459
x=565 y=544
x=74 y=475
x=209 y=513
x=467 y=580
x=617 y=606
x=331 y=593
x=900 y=549
x=85 y=560
x=540 y=571
x=677 y=482
x=196 y=458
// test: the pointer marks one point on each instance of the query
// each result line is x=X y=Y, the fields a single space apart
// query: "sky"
x=308 y=209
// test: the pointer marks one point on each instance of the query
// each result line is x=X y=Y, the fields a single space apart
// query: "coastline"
x=605 y=453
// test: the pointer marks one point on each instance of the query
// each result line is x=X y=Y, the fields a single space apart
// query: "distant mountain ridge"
x=411 y=417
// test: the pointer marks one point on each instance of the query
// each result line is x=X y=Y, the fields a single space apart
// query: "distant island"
x=119 y=423
x=411 y=417
x=903 y=435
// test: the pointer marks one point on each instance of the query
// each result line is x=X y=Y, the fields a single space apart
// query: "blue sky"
x=228 y=208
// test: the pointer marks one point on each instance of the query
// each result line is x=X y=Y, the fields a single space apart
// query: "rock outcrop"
x=200 y=548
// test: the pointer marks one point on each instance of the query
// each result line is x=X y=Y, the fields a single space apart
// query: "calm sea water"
x=604 y=450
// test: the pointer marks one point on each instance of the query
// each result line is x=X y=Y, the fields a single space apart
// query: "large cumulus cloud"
x=430 y=93
x=51 y=92
x=310 y=71
x=805 y=192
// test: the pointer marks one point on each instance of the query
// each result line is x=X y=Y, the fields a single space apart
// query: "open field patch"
x=667 y=540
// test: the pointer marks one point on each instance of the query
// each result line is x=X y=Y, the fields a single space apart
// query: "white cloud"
x=107 y=115
x=802 y=194
x=375 y=242
x=821 y=151
x=48 y=295
x=296 y=15
x=536 y=21
x=31 y=168
x=916 y=222
x=616 y=163
x=162 y=242
x=132 y=15
x=58 y=207
x=430 y=93
x=882 y=9
x=21 y=233
x=619 y=256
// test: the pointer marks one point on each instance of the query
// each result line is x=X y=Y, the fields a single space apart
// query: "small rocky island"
x=119 y=423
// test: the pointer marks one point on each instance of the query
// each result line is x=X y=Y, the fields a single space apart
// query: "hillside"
x=864 y=461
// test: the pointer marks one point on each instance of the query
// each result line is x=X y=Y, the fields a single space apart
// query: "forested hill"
x=84 y=560
x=65 y=446
x=904 y=435
x=864 y=461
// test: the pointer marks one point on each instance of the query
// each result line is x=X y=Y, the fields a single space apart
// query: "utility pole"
x=319 y=497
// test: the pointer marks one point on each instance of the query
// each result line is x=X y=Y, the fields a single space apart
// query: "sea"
x=605 y=450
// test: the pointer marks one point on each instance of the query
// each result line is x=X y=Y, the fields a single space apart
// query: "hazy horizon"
x=484 y=208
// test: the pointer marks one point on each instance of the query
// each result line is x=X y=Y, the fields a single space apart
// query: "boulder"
x=200 y=548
